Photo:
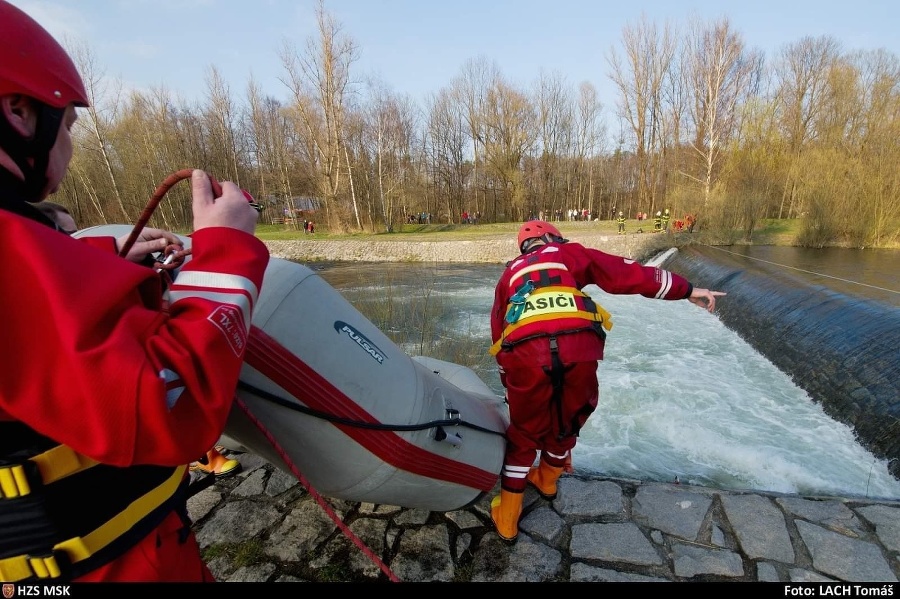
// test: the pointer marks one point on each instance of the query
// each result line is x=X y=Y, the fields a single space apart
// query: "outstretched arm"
x=705 y=298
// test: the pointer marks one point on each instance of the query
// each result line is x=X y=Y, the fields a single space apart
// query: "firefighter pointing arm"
x=547 y=338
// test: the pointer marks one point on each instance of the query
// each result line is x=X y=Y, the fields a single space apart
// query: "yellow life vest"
x=552 y=308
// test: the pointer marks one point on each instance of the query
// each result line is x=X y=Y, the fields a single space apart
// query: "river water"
x=682 y=397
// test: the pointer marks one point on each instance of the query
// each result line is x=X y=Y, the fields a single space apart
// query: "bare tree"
x=555 y=121
x=390 y=122
x=649 y=54
x=877 y=133
x=470 y=88
x=99 y=120
x=721 y=75
x=151 y=152
x=319 y=81
x=589 y=139
x=221 y=114
x=801 y=74
x=510 y=133
x=751 y=166
x=270 y=141
x=446 y=148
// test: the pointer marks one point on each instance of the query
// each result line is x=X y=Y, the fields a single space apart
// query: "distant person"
x=621 y=221
x=689 y=221
x=665 y=220
x=547 y=337
x=657 y=222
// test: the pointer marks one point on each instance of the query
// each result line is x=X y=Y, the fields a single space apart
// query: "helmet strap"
x=551 y=238
x=37 y=148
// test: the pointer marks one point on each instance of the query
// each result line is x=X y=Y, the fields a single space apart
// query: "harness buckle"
x=53 y=565
x=47 y=566
x=17 y=479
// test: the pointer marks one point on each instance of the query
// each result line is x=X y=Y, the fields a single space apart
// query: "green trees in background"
x=705 y=126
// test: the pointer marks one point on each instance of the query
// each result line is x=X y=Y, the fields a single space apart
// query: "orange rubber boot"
x=505 y=511
x=543 y=477
x=215 y=463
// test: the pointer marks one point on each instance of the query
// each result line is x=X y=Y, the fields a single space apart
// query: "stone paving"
x=262 y=525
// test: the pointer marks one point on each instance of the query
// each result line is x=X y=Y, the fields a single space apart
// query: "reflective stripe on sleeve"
x=215 y=280
x=666 y=284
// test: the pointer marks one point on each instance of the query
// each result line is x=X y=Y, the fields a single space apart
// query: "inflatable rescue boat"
x=358 y=417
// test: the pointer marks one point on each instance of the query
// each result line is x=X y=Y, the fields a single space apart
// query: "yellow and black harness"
x=545 y=299
x=63 y=514
x=529 y=306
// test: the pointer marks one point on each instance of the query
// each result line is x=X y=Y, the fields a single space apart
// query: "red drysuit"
x=95 y=359
x=545 y=284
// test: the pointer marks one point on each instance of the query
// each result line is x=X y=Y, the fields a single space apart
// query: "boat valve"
x=453 y=439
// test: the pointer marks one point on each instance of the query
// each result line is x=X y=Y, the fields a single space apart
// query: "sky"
x=416 y=47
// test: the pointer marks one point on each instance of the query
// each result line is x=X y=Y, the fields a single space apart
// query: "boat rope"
x=810 y=272
x=315 y=494
x=157 y=196
x=123 y=251
x=292 y=405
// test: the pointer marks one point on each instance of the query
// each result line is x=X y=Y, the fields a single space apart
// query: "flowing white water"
x=682 y=397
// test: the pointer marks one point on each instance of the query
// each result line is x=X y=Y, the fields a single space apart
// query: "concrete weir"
x=843 y=351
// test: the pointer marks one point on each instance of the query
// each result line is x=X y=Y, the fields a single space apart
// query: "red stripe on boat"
x=285 y=369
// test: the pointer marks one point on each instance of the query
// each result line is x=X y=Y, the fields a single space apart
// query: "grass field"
x=771 y=232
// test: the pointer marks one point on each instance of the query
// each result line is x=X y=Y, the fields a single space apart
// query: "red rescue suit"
x=548 y=336
x=128 y=385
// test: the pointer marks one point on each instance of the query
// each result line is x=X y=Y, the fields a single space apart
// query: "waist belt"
x=29 y=512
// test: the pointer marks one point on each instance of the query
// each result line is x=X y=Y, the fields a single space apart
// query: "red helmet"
x=538 y=228
x=33 y=64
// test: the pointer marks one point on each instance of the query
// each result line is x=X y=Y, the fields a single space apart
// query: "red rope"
x=319 y=499
x=155 y=199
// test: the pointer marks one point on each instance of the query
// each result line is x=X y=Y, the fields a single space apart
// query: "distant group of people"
x=470 y=218
x=422 y=218
x=660 y=222
x=578 y=215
